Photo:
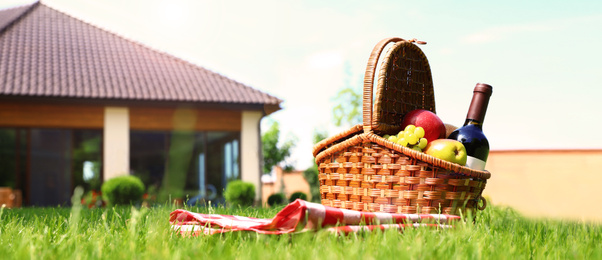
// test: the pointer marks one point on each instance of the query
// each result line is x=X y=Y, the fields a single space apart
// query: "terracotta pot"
x=7 y=197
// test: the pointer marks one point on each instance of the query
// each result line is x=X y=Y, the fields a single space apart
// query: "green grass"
x=130 y=233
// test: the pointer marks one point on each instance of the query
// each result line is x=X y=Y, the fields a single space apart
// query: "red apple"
x=433 y=126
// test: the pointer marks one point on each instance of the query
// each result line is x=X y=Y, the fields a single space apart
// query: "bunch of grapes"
x=411 y=136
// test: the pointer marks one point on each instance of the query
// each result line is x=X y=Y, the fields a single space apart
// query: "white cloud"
x=503 y=32
x=325 y=60
x=506 y=32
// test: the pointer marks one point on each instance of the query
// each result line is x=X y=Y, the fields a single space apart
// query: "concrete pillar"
x=250 y=147
x=116 y=142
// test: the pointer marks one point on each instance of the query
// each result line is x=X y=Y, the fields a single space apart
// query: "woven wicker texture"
x=360 y=170
x=404 y=84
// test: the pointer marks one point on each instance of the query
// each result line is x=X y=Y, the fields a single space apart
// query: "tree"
x=311 y=173
x=274 y=150
x=349 y=102
x=319 y=135
x=349 y=107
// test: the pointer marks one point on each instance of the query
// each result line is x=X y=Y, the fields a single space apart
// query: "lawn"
x=144 y=233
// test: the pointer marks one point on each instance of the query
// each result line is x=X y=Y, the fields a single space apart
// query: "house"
x=80 y=105
x=287 y=182
x=557 y=183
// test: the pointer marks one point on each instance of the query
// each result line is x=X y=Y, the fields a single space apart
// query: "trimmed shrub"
x=297 y=195
x=122 y=190
x=240 y=193
x=276 y=199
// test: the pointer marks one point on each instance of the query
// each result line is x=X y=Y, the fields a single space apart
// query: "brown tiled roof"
x=47 y=53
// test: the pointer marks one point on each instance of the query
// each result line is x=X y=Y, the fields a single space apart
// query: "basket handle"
x=482 y=207
x=369 y=78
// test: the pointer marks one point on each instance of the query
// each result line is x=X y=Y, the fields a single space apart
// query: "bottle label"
x=475 y=163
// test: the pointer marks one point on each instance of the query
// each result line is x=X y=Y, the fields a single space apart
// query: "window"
x=47 y=164
x=148 y=156
x=222 y=160
x=50 y=181
x=13 y=157
x=87 y=159
x=187 y=165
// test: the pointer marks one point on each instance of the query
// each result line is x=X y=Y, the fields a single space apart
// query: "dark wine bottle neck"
x=474 y=123
x=478 y=105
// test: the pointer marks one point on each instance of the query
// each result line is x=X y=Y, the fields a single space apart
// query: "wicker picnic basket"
x=360 y=170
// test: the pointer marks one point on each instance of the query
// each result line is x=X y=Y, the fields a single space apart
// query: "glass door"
x=50 y=178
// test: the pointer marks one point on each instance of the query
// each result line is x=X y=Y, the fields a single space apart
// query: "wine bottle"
x=471 y=133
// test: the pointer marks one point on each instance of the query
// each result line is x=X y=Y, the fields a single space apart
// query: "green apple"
x=448 y=150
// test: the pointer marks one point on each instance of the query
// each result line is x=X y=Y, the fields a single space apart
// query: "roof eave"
x=267 y=108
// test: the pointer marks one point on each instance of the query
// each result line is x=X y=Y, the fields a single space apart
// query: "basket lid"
x=404 y=84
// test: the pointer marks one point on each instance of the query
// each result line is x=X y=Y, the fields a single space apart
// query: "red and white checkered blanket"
x=301 y=216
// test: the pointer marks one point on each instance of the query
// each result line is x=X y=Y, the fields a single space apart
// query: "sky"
x=542 y=58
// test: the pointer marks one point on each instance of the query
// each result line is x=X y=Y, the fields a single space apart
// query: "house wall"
x=268 y=189
x=29 y=114
x=250 y=149
x=116 y=144
x=162 y=118
x=292 y=181
x=556 y=183
x=55 y=115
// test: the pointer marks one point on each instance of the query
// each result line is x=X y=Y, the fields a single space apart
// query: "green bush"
x=276 y=199
x=122 y=190
x=240 y=193
x=297 y=195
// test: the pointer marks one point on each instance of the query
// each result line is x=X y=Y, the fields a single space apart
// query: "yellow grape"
x=393 y=138
x=412 y=139
x=402 y=141
x=410 y=128
x=422 y=143
x=419 y=132
x=417 y=148
x=401 y=135
x=407 y=134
